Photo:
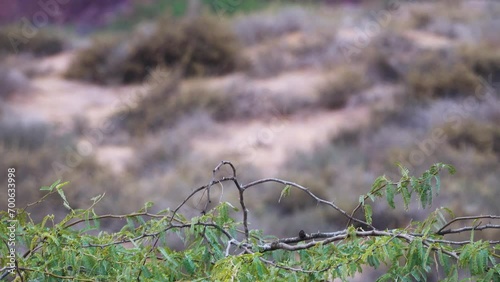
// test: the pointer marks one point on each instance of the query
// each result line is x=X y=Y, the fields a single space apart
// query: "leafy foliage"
x=220 y=246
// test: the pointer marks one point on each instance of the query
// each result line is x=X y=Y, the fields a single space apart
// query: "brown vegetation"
x=200 y=46
x=346 y=82
x=15 y=39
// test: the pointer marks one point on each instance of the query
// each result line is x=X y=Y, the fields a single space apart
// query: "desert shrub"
x=483 y=59
x=95 y=63
x=336 y=92
x=43 y=42
x=435 y=76
x=167 y=103
x=484 y=137
x=201 y=46
x=420 y=18
x=269 y=60
x=381 y=64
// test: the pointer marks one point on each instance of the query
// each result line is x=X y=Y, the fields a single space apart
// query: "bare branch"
x=311 y=194
x=439 y=232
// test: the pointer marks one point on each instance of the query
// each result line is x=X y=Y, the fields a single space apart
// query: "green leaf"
x=59 y=186
x=61 y=193
x=385 y=277
x=377 y=184
x=438 y=184
x=52 y=237
x=451 y=169
x=188 y=265
x=96 y=198
x=51 y=187
x=148 y=205
x=389 y=193
x=368 y=213
x=168 y=257
x=362 y=199
x=403 y=170
x=406 y=197
x=285 y=192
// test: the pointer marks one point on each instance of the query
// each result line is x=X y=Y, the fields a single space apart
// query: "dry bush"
x=96 y=63
x=382 y=65
x=167 y=103
x=201 y=46
x=483 y=59
x=482 y=136
x=435 y=76
x=13 y=40
x=420 y=18
x=345 y=83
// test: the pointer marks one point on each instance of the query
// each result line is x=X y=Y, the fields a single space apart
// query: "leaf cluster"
x=220 y=246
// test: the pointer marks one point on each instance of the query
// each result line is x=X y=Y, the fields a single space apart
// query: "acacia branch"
x=461 y=218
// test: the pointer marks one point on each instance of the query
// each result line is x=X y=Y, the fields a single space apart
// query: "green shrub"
x=345 y=83
x=43 y=42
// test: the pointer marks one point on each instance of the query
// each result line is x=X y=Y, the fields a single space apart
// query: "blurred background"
x=142 y=99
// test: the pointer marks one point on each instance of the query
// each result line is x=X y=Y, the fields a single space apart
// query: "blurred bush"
x=39 y=41
x=483 y=137
x=483 y=58
x=201 y=46
x=96 y=63
x=167 y=103
x=344 y=84
x=436 y=76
